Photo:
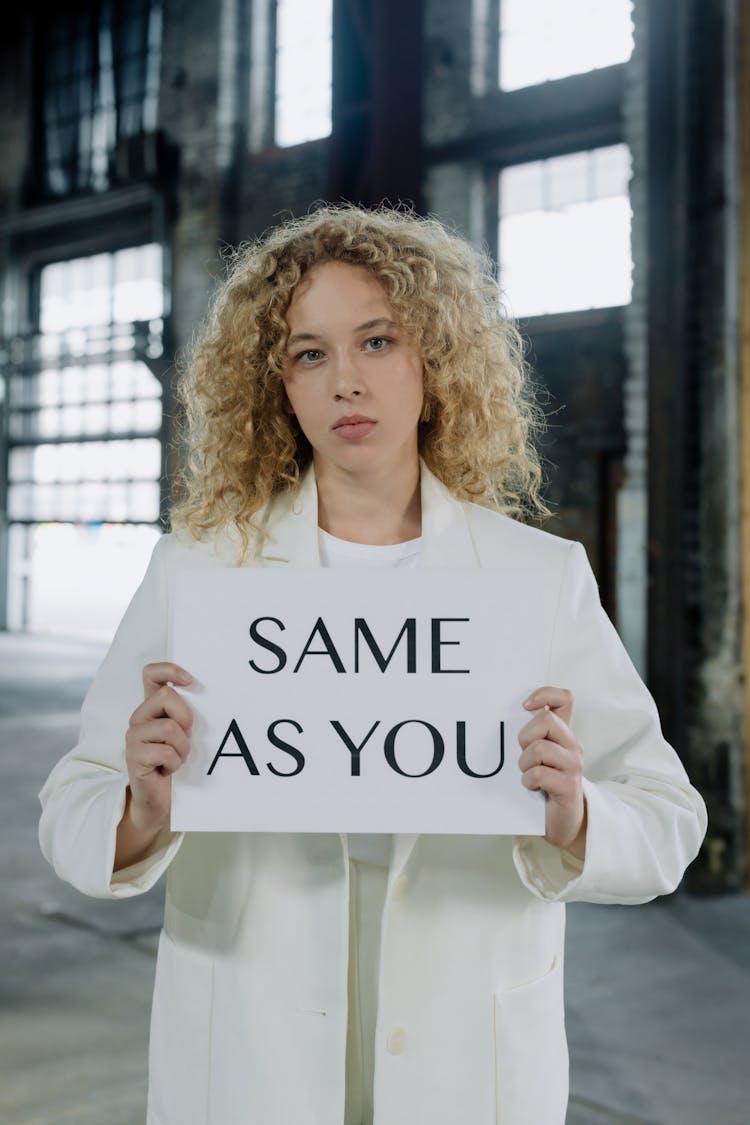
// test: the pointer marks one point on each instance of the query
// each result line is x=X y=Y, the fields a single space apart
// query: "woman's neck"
x=377 y=508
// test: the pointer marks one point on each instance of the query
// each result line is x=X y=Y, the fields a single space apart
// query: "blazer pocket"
x=531 y=1052
x=179 y=1047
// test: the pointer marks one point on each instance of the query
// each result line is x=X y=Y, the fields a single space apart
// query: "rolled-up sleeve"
x=645 y=821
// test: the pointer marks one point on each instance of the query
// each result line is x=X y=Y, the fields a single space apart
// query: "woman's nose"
x=347 y=381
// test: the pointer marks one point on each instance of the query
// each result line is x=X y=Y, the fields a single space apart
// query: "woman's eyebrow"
x=379 y=322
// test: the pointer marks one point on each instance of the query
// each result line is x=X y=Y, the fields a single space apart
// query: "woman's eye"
x=378 y=343
x=311 y=355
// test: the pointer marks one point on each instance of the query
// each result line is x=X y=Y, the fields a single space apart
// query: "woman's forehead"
x=338 y=292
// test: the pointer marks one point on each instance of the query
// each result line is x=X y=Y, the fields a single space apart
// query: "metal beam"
x=693 y=636
x=744 y=125
x=567 y=115
x=376 y=141
x=667 y=272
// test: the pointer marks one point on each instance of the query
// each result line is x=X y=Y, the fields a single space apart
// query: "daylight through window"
x=564 y=236
x=545 y=39
x=303 y=70
x=84 y=429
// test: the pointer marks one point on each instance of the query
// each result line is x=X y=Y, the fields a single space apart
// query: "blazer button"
x=396 y=1041
x=399 y=887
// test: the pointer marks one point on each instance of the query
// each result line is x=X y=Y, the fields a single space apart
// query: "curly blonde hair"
x=242 y=443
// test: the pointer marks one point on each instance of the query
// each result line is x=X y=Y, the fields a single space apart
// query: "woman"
x=357 y=399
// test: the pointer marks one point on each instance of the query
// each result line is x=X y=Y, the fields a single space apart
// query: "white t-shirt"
x=368 y=847
x=340 y=552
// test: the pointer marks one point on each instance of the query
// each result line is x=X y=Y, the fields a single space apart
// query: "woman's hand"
x=552 y=760
x=157 y=742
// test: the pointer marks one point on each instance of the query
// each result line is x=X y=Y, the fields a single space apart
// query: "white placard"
x=357 y=700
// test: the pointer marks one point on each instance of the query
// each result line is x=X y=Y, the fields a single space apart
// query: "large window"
x=303 y=70
x=100 y=82
x=545 y=39
x=84 y=414
x=85 y=441
x=564 y=237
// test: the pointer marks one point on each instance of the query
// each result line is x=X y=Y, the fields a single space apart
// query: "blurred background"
x=600 y=151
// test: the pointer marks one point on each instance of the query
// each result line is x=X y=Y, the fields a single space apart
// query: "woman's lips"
x=350 y=429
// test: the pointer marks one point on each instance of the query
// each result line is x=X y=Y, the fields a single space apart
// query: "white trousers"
x=367 y=886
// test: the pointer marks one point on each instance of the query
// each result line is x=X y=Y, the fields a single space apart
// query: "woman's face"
x=353 y=376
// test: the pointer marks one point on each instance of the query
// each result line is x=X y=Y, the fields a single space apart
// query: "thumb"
x=555 y=699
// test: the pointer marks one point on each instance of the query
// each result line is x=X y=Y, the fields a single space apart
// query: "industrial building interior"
x=599 y=150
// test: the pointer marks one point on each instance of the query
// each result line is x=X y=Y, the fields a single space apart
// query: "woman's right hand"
x=157 y=742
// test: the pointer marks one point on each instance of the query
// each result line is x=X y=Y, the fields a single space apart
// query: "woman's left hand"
x=552 y=760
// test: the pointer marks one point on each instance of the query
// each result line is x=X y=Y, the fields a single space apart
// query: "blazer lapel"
x=446 y=539
x=291 y=526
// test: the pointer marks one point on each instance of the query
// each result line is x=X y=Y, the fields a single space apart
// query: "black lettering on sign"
x=287 y=747
x=409 y=628
x=242 y=751
x=329 y=648
x=461 y=751
x=438 y=748
x=265 y=643
x=354 y=750
x=438 y=643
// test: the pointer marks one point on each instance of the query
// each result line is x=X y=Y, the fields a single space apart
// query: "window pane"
x=72 y=420
x=49 y=423
x=117 y=503
x=20 y=464
x=72 y=385
x=545 y=39
x=92 y=499
x=49 y=388
x=144 y=501
x=121 y=417
x=95 y=417
x=75 y=293
x=147 y=416
x=19 y=501
x=522 y=187
x=303 y=70
x=569 y=183
x=569 y=248
x=67 y=502
x=137 y=288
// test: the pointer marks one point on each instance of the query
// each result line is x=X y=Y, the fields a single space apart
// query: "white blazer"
x=250 y=1002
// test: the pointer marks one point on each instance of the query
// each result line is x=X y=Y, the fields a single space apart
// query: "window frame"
x=38 y=182
x=263 y=80
x=68 y=229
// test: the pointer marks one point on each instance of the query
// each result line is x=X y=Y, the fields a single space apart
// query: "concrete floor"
x=658 y=996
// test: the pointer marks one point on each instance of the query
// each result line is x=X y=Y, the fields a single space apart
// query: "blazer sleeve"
x=84 y=796
x=645 y=820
